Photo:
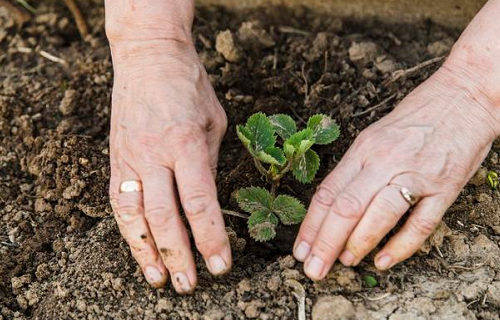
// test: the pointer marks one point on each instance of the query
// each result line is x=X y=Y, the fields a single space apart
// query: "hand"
x=166 y=129
x=431 y=144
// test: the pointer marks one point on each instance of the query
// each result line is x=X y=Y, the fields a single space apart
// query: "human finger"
x=321 y=203
x=347 y=209
x=129 y=215
x=198 y=195
x=419 y=226
x=167 y=228
x=382 y=215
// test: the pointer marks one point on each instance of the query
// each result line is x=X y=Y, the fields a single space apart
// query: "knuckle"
x=309 y=230
x=159 y=216
x=348 y=206
x=387 y=208
x=324 y=196
x=325 y=247
x=128 y=208
x=196 y=203
x=422 y=225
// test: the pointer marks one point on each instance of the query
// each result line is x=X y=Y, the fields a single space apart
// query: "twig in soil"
x=385 y=295
x=19 y=14
x=396 y=75
x=285 y=29
x=44 y=54
x=375 y=106
x=296 y=114
x=300 y=294
x=275 y=59
x=234 y=214
x=472 y=302
x=484 y=299
x=475 y=267
x=9 y=244
x=80 y=21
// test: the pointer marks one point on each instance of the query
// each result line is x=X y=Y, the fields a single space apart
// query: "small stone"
x=479 y=177
x=253 y=309
x=252 y=33
x=83 y=161
x=244 y=286
x=81 y=305
x=385 y=65
x=440 y=48
x=291 y=274
x=494 y=158
x=19 y=282
x=214 y=314
x=484 y=197
x=225 y=45
x=274 y=283
x=494 y=293
x=287 y=262
x=333 y=307
x=362 y=52
x=164 y=304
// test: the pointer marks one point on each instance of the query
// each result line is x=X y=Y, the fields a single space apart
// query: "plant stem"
x=234 y=214
x=261 y=169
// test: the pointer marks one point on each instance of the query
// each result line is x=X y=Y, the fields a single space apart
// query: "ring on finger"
x=130 y=186
x=408 y=196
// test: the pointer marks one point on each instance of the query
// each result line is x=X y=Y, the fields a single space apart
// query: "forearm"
x=137 y=27
x=476 y=57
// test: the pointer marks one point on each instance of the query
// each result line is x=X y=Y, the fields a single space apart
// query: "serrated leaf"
x=254 y=199
x=272 y=155
x=261 y=217
x=261 y=131
x=305 y=168
x=325 y=128
x=245 y=137
x=284 y=125
x=263 y=231
x=300 y=141
x=289 y=210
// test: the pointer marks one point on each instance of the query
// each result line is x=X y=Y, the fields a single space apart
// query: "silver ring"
x=408 y=196
x=130 y=186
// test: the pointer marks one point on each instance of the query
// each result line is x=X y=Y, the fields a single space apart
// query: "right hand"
x=166 y=129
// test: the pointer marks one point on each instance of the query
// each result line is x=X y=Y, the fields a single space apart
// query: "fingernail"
x=314 y=268
x=181 y=282
x=217 y=265
x=347 y=258
x=302 y=251
x=384 y=262
x=153 y=275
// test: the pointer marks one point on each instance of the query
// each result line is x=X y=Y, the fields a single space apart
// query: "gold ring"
x=131 y=186
x=408 y=196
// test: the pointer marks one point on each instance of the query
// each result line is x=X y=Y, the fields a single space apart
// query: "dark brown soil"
x=61 y=255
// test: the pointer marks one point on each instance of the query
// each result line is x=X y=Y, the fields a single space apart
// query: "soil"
x=62 y=256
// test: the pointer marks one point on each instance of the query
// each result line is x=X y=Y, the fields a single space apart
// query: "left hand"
x=431 y=144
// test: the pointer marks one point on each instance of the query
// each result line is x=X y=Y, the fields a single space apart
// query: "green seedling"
x=493 y=179
x=273 y=159
x=370 y=281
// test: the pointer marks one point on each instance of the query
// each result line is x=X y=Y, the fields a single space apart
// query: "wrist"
x=133 y=21
x=476 y=87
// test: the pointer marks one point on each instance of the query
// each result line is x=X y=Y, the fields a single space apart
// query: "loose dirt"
x=62 y=256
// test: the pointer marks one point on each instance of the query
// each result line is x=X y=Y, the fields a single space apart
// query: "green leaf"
x=272 y=155
x=299 y=142
x=305 y=168
x=245 y=136
x=261 y=131
x=254 y=199
x=325 y=128
x=289 y=209
x=370 y=281
x=259 y=217
x=284 y=125
x=493 y=179
x=263 y=231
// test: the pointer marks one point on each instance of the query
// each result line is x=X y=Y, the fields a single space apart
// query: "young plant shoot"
x=273 y=161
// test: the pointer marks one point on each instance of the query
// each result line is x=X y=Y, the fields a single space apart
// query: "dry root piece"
x=300 y=294
x=80 y=21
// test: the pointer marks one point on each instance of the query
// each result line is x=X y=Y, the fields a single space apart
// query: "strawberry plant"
x=273 y=159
